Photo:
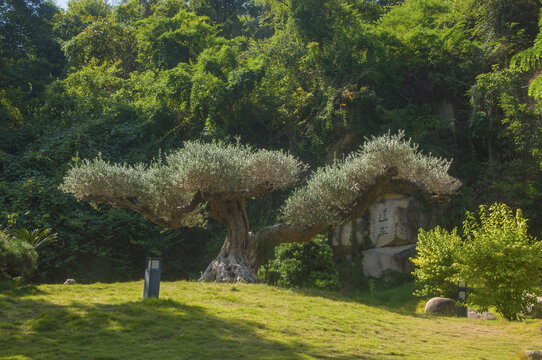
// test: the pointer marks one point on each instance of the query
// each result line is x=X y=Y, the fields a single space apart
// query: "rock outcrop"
x=534 y=310
x=378 y=260
x=386 y=235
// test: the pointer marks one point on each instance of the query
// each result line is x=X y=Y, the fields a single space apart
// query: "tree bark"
x=238 y=259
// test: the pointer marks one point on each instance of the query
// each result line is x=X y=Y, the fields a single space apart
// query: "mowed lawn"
x=241 y=321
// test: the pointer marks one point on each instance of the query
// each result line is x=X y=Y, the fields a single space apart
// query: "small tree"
x=503 y=262
x=497 y=259
x=215 y=180
x=436 y=264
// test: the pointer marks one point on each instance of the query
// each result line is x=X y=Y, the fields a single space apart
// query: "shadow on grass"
x=398 y=300
x=10 y=288
x=150 y=329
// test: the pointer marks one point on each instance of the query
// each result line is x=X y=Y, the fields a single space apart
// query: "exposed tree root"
x=230 y=270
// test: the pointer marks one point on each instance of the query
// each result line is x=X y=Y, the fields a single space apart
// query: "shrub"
x=497 y=259
x=307 y=265
x=17 y=257
x=436 y=264
x=502 y=264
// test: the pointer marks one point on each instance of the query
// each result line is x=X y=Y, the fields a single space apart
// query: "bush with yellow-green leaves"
x=497 y=258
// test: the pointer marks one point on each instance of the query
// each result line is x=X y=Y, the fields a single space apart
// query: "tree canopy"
x=332 y=192
x=170 y=193
x=173 y=193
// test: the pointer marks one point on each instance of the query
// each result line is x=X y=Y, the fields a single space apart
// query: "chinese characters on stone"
x=382 y=223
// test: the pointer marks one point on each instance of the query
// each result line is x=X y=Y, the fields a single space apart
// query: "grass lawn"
x=242 y=321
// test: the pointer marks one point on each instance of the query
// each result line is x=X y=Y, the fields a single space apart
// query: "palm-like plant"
x=36 y=237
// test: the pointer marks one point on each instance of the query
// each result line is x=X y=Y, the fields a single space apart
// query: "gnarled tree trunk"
x=238 y=259
x=243 y=252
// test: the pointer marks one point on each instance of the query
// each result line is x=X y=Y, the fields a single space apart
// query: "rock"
x=70 y=282
x=473 y=314
x=534 y=354
x=535 y=309
x=395 y=221
x=387 y=228
x=441 y=306
x=347 y=238
x=376 y=261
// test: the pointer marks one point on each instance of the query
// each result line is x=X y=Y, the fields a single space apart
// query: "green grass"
x=242 y=321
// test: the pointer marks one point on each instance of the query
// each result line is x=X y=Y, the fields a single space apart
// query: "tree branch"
x=402 y=186
x=287 y=233
x=239 y=194
x=127 y=203
x=177 y=214
x=381 y=185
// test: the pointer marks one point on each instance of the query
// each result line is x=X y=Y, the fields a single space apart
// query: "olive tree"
x=215 y=180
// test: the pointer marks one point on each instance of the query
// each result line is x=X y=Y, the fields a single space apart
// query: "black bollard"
x=153 y=270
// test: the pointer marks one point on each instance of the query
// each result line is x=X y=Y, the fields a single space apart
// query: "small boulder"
x=441 y=306
x=473 y=314
x=534 y=354
x=70 y=282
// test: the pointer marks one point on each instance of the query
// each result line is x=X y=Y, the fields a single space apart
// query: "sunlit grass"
x=241 y=321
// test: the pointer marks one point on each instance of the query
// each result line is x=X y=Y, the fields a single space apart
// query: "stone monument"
x=386 y=235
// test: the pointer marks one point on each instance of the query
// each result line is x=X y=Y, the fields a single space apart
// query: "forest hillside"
x=314 y=78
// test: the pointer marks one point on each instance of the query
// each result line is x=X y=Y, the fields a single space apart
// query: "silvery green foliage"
x=151 y=188
x=331 y=190
x=157 y=189
x=226 y=168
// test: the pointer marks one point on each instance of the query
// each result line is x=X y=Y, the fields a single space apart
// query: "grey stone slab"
x=377 y=260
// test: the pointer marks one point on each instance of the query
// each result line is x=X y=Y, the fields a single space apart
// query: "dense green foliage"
x=313 y=78
x=308 y=265
x=503 y=263
x=18 y=258
x=437 y=262
x=497 y=258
